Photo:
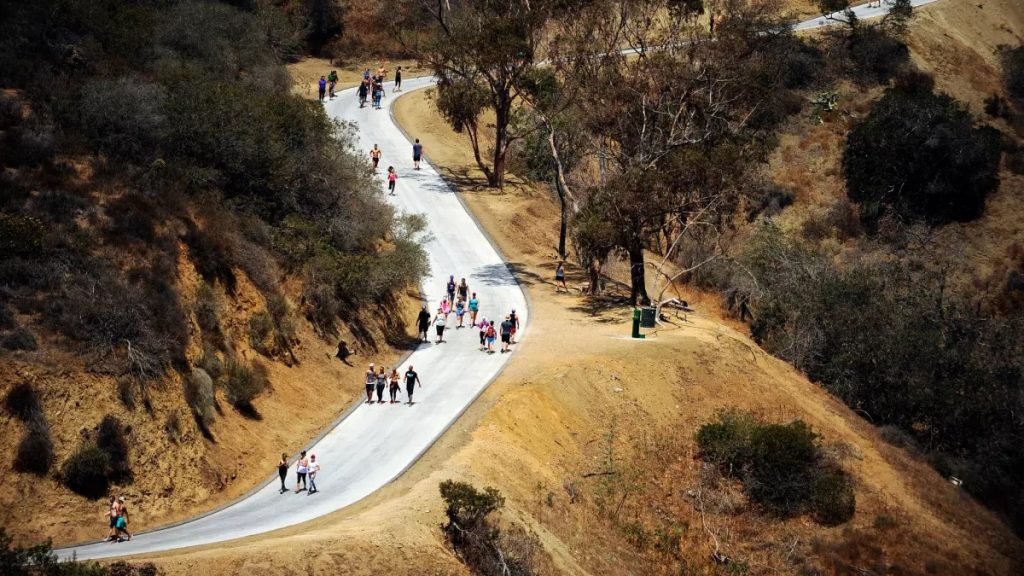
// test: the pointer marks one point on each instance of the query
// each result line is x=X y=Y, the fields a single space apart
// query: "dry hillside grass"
x=582 y=417
x=177 y=472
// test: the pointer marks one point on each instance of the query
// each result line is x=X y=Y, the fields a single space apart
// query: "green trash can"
x=648 y=317
x=636 y=323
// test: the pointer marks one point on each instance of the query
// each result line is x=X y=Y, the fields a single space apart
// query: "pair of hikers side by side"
x=117 y=513
x=306 y=470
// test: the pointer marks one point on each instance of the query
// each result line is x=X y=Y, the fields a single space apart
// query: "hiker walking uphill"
x=417 y=154
x=382 y=381
x=440 y=320
x=375 y=156
x=322 y=87
x=363 y=92
x=332 y=78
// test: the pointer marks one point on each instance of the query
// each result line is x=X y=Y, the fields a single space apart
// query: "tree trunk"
x=637 y=279
x=563 y=226
x=594 y=270
x=502 y=115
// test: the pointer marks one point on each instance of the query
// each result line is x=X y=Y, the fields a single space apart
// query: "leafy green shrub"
x=782 y=458
x=832 y=498
x=919 y=153
x=111 y=439
x=243 y=383
x=727 y=441
x=477 y=539
x=782 y=466
x=199 y=395
x=85 y=471
x=19 y=339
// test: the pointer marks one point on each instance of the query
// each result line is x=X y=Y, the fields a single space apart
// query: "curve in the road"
x=373 y=444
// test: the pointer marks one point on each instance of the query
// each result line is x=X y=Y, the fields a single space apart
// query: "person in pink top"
x=446 y=307
x=392 y=178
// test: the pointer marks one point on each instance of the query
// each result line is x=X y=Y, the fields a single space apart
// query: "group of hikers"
x=392 y=175
x=371 y=86
x=460 y=300
x=306 y=470
x=378 y=380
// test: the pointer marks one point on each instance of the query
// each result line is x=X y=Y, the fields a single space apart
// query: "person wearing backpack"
x=491 y=337
x=332 y=78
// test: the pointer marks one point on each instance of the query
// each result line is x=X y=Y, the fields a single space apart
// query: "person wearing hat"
x=371 y=381
x=514 y=319
x=122 y=519
x=506 y=334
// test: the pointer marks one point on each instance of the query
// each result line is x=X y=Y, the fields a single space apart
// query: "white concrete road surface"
x=376 y=443
x=863 y=12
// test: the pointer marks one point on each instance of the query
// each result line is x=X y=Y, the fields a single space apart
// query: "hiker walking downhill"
x=514 y=319
x=398 y=80
x=483 y=332
x=463 y=290
x=411 y=379
x=122 y=520
x=450 y=288
x=371 y=380
x=313 y=468
x=282 y=471
x=322 y=87
x=394 y=389
x=560 y=278
x=375 y=156
x=301 y=469
x=423 y=323
x=506 y=334
x=440 y=319
x=364 y=91
x=382 y=381
x=392 y=180
x=460 y=312
x=474 y=307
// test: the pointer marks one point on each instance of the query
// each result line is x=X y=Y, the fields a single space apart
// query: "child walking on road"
x=392 y=178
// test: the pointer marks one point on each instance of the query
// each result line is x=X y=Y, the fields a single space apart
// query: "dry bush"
x=199 y=395
x=111 y=438
x=243 y=383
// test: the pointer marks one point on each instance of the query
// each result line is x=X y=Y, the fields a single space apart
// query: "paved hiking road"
x=374 y=443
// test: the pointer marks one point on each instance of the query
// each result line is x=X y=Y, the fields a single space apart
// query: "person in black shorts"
x=411 y=379
x=463 y=290
x=364 y=91
x=506 y=334
x=423 y=323
x=371 y=381
x=398 y=80
x=417 y=153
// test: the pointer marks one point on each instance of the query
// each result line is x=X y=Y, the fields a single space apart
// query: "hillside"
x=584 y=416
x=169 y=306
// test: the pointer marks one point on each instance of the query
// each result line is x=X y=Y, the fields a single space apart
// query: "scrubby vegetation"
x=892 y=341
x=782 y=466
x=172 y=142
x=35 y=450
x=919 y=154
x=39 y=560
x=473 y=532
x=85 y=471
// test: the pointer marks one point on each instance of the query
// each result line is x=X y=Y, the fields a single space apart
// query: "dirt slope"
x=579 y=402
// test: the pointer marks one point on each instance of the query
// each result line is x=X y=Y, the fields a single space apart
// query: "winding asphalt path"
x=373 y=444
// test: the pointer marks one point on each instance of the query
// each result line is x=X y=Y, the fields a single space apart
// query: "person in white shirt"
x=301 y=469
x=313 y=468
